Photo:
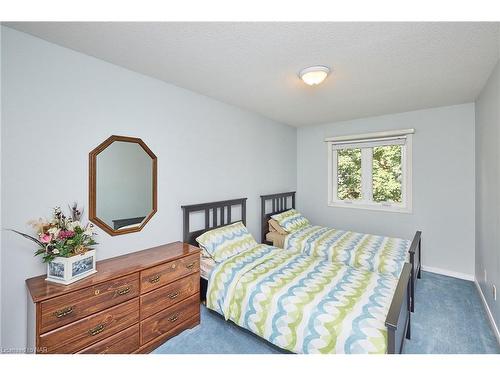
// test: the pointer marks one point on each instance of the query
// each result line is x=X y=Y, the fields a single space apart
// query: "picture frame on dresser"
x=133 y=304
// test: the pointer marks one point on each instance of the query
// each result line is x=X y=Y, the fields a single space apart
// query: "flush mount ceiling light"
x=314 y=75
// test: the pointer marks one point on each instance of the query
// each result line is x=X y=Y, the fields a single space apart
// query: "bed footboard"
x=415 y=261
x=398 y=321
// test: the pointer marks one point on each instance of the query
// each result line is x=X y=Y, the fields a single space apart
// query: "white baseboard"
x=488 y=312
x=458 y=275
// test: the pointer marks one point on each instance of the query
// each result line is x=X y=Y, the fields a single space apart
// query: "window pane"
x=386 y=174
x=349 y=174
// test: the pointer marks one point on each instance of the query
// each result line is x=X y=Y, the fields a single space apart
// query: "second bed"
x=369 y=252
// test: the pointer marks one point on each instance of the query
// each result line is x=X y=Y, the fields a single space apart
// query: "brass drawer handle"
x=63 y=312
x=97 y=329
x=174 y=317
x=190 y=265
x=173 y=295
x=154 y=279
x=122 y=292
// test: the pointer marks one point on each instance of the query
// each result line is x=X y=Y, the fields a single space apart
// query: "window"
x=371 y=171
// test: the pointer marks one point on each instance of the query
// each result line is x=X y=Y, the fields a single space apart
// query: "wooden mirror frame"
x=92 y=184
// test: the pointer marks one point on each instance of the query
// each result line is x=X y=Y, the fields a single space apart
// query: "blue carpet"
x=449 y=318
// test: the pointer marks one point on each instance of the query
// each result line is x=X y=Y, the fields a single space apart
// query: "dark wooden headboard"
x=279 y=204
x=219 y=212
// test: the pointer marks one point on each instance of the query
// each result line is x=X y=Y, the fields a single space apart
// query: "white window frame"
x=366 y=142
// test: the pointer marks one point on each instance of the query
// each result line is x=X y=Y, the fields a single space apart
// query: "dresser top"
x=112 y=268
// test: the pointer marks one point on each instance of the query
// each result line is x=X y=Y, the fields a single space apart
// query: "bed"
x=300 y=303
x=360 y=250
x=215 y=214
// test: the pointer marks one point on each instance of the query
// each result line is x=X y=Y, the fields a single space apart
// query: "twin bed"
x=374 y=253
x=299 y=298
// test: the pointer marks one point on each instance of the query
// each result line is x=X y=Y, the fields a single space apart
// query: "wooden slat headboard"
x=220 y=212
x=279 y=204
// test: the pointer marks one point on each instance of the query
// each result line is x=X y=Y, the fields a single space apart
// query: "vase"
x=68 y=270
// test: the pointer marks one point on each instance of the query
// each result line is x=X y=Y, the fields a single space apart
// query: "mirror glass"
x=124 y=186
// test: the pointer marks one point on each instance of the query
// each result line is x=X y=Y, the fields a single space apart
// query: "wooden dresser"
x=133 y=304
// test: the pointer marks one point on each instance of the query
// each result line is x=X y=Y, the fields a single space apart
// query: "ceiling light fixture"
x=314 y=75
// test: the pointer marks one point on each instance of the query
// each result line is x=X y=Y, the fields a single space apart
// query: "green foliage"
x=349 y=174
x=67 y=248
x=80 y=242
x=386 y=174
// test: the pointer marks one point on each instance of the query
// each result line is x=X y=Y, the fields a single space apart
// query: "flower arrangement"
x=61 y=236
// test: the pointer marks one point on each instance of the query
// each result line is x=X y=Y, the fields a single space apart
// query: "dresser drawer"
x=73 y=306
x=125 y=342
x=169 y=319
x=89 y=330
x=169 y=295
x=155 y=277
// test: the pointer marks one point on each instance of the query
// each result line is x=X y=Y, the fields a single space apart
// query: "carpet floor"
x=449 y=318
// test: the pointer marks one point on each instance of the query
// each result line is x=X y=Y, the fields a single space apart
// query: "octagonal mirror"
x=122 y=185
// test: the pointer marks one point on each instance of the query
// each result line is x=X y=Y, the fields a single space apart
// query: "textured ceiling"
x=378 y=68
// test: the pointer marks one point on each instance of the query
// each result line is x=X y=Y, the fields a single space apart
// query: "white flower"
x=54 y=232
x=73 y=224
x=88 y=231
x=55 y=251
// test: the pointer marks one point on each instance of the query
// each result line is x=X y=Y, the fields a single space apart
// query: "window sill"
x=371 y=207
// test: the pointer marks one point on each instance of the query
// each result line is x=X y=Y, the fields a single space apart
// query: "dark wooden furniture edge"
x=189 y=237
x=398 y=320
x=415 y=252
x=135 y=262
x=279 y=204
x=92 y=184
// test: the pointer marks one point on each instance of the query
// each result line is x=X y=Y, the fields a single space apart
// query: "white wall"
x=443 y=184
x=58 y=105
x=488 y=191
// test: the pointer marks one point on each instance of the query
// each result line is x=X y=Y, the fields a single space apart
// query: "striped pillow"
x=291 y=220
x=225 y=242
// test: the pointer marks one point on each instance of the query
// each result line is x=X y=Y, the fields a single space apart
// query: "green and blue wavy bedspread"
x=301 y=303
x=363 y=251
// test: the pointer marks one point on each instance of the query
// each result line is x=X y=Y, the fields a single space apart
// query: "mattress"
x=277 y=239
x=207 y=264
x=301 y=303
x=381 y=254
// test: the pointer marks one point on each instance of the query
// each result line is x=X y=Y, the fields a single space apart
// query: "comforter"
x=301 y=303
x=369 y=252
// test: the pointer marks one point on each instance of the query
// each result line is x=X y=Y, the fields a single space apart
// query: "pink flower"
x=66 y=234
x=45 y=238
